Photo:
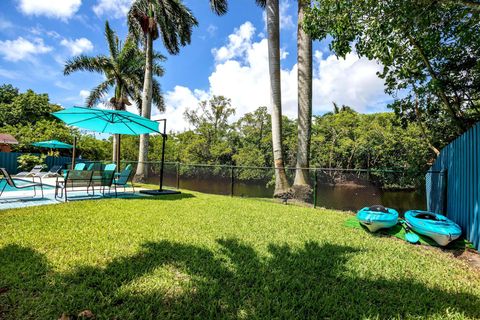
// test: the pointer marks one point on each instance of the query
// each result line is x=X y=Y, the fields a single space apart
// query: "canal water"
x=337 y=196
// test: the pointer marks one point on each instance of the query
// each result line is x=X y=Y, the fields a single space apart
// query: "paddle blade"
x=412 y=237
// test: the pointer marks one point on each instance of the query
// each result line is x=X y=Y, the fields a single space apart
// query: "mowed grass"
x=205 y=256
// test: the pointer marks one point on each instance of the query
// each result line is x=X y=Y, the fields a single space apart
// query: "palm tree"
x=123 y=71
x=273 y=30
x=147 y=20
x=304 y=62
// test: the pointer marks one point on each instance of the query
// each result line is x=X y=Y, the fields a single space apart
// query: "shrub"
x=27 y=161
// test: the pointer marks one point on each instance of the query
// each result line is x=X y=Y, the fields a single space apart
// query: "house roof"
x=6 y=138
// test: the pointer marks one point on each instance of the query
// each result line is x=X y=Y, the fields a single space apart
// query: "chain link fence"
x=342 y=189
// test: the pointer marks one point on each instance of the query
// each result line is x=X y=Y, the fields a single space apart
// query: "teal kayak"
x=377 y=217
x=433 y=225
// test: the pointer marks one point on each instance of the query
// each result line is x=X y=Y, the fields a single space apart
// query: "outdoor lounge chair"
x=35 y=170
x=53 y=172
x=74 y=179
x=122 y=179
x=11 y=183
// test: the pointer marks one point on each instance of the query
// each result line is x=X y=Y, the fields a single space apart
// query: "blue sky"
x=227 y=56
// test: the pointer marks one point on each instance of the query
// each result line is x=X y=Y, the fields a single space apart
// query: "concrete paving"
x=25 y=198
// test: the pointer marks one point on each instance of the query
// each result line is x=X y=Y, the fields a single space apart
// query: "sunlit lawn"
x=206 y=256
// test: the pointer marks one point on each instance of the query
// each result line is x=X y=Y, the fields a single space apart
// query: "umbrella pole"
x=161 y=191
x=164 y=137
x=118 y=153
x=74 y=151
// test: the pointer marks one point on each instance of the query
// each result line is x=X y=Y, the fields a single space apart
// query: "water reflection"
x=341 y=197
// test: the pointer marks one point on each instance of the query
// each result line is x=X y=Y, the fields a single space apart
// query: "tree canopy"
x=429 y=51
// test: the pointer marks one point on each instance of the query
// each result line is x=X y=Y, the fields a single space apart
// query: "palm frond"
x=157 y=96
x=220 y=7
x=99 y=92
x=261 y=3
x=112 y=40
x=84 y=63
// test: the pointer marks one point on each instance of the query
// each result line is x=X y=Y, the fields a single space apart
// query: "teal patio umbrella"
x=52 y=144
x=115 y=122
x=107 y=121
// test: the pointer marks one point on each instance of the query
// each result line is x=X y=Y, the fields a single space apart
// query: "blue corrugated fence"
x=453 y=183
x=8 y=160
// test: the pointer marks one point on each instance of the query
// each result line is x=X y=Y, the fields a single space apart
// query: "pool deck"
x=24 y=198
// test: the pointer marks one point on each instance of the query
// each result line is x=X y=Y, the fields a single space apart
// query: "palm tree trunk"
x=304 y=62
x=142 y=172
x=114 y=149
x=281 y=183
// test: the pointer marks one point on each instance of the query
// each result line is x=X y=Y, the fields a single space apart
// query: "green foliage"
x=208 y=141
x=27 y=117
x=123 y=70
x=27 y=161
x=429 y=50
x=349 y=140
x=25 y=108
x=204 y=256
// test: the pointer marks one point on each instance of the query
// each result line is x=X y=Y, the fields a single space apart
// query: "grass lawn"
x=205 y=256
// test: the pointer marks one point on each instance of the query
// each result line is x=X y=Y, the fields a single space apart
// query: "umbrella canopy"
x=107 y=121
x=53 y=144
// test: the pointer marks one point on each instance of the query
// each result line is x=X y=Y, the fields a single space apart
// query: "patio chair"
x=11 y=182
x=30 y=173
x=128 y=167
x=103 y=179
x=73 y=179
x=95 y=166
x=110 y=167
x=79 y=166
x=122 y=180
x=53 y=172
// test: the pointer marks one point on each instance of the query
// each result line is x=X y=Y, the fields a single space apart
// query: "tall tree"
x=147 y=20
x=123 y=71
x=273 y=29
x=304 y=62
x=429 y=50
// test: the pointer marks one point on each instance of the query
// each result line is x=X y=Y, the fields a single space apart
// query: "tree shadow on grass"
x=235 y=282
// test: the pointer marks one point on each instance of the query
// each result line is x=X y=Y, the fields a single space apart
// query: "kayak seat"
x=427 y=216
x=378 y=208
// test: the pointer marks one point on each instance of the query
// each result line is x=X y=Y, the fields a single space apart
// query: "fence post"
x=178 y=174
x=232 y=180
x=314 y=188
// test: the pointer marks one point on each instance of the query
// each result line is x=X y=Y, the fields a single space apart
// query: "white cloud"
x=61 y=9
x=77 y=46
x=351 y=81
x=112 y=8
x=39 y=31
x=286 y=20
x=241 y=74
x=8 y=74
x=212 y=30
x=238 y=43
x=176 y=103
x=84 y=94
x=22 y=49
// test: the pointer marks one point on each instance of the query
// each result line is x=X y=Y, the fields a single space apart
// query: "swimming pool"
x=20 y=182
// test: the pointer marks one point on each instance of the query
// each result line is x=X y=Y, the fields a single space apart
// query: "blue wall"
x=453 y=183
x=8 y=160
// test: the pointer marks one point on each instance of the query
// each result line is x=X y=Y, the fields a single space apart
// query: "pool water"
x=19 y=182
